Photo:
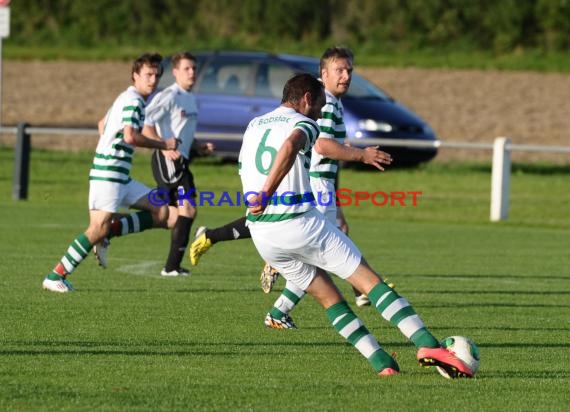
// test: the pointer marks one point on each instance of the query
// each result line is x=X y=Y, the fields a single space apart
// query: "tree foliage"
x=490 y=25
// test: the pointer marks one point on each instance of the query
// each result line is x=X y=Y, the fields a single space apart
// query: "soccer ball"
x=465 y=349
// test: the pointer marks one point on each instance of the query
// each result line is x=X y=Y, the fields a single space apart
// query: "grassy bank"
x=530 y=60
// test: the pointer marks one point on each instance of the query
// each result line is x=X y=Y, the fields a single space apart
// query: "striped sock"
x=400 y=313
x=350 y=327
x=133 y=223
x=288 y=299
x=76 y=252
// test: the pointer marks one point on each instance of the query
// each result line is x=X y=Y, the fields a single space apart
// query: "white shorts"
x=296 y=247
x=110 y=196
x=325 y=197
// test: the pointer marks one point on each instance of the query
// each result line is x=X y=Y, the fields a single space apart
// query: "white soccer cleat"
x=175 y=272
x=100 y=250
x=362 y=300
x=268 y=278
x=286 y=322
x=59 y=286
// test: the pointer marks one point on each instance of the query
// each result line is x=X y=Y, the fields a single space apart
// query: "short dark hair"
x=181 y=56
x=335 y=52
x=147 y=59
x=298 y=85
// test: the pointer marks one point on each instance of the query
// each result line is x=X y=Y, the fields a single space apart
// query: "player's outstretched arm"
x=370 y=155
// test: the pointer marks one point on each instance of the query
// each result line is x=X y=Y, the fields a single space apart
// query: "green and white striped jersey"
x=331 y=126
x=262 y=140
x=113 y=156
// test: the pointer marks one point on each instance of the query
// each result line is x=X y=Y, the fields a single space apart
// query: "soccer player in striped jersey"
x=110 y=184
x=299 y=241
x=336 y=74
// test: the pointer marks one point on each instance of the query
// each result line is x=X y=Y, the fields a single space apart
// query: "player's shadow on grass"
x=494 y=276
x=523 y=345
x=510 y=375
x=478 y=328
x=181 y=348
x=498 y=292
x=186 y=289
x=493 y=305
x=42 y=348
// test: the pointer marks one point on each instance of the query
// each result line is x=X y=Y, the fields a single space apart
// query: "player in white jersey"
x=296 y=239
x=110 y=184
x=173 y=112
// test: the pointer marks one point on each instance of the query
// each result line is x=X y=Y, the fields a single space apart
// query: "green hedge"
x=389 y=25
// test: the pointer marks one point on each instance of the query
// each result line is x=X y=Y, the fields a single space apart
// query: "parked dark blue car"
x=233 y=87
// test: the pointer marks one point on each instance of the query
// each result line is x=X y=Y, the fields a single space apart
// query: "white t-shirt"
x=174 y=113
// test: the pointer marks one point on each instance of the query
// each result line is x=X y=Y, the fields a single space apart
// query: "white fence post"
x=500 y=179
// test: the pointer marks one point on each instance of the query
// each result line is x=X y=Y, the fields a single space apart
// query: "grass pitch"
x=131 y=340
